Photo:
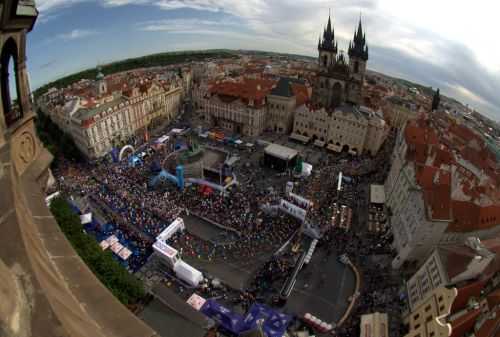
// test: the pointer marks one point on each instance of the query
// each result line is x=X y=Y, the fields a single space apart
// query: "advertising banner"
x=293 y=210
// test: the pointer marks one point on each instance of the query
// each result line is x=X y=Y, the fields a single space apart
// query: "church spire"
x=329 y=25
x=328 y=42
x=358 y=47
x=360 y=27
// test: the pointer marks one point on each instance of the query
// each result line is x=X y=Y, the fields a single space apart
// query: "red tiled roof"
x=464 y=323
x=443 y=156
x=438 y=199
x=492 y=245
x=425 y=176
x=464 y=133
x=493 y=298
x=301 y=93
x=144 y=87
x=471 y=217
x=248 y=89
x=436 y=185
x=455 y=258
x=464 y=293
x=490 y=327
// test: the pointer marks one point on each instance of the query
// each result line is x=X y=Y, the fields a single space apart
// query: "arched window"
x=356 y=67
x=10 y=83
x=325 y=60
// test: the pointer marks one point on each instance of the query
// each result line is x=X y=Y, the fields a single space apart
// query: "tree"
x=124 y=286
x=435 y=100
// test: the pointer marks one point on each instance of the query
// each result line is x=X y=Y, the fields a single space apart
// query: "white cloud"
x=176 y=25
x=115 y=3
x=50 y=5
x=469 y=95
x=422 y=30
x=75 y=34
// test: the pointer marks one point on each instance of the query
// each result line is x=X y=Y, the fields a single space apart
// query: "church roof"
x=358 y=47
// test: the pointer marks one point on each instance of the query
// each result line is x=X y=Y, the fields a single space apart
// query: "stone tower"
x=333 y=72
x=100 y=83
x=358 y=56
x=46 y=290
x=327 y=47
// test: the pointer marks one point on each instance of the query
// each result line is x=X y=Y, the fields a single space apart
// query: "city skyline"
x=415 y=42
x=238 y=193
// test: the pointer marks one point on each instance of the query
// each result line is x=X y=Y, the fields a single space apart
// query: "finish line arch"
x=125 y=148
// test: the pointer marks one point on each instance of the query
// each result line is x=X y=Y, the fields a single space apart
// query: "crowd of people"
x=140 y=212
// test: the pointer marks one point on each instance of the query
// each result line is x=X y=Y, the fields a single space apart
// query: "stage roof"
x=280 y=151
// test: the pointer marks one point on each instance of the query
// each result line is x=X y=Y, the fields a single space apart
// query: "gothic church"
x=340 y=81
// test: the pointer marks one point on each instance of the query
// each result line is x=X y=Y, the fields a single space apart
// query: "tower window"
x=9 y=83
x=356 y=67
x=325 y=60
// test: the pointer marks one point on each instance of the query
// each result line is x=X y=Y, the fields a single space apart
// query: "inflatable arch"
x=178 y=179
x=122 y=151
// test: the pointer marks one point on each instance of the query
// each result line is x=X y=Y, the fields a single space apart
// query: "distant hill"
x=269 y=53
x=168 y=58
x=153 y=60
x=426 y=90
x=429 y=91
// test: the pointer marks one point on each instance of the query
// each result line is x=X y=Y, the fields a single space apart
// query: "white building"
x=354 y=129
x=434 y=201
x=100 y=116
x=448 y=265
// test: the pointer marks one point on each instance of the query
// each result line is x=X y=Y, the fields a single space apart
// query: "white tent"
x=112 y=239
x=162 y=139
x=280 y=151
x=104 y=244
x=306 y=169
x=124 y=253
x=166 y=253
x=176 y=225
x=196 y=301
x=187 y=273
x=86 y=218
x=116 y=247
x=177 y=131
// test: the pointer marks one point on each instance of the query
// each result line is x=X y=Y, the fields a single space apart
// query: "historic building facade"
x=441 y=189
x=284 y=98
x=336 y=117
x=248 y=106
x=117 y=111
x=238 y=106
x=340 y=81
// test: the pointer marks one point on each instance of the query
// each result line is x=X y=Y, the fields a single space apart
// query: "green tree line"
x=154 y=60
x=124 y=286
x=59 y=143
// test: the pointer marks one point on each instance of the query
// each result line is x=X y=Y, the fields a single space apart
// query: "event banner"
x=301 y=201
x=293 y=210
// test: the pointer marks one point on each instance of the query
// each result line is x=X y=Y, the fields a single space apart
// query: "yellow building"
x=357 y=130
x=428 y=319
x=374 y=325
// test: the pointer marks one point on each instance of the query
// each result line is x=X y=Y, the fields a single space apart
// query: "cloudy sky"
x=449 y=44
